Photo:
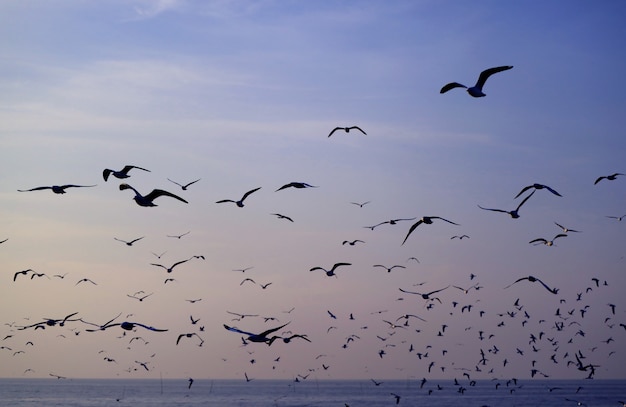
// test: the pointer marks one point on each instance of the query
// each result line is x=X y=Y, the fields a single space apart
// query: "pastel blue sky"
x=243 y=95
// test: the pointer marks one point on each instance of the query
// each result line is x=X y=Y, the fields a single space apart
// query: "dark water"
x=139 y=392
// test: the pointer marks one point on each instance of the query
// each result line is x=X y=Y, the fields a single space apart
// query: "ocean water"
x=310 y=392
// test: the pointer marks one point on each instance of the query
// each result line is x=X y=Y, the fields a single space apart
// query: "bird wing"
x=495 y=210
x=33 y=189
x=598 y=180
x=151 y=328
x=249 y=192
x=542 y=240
x=559 y=235
x=139 y=238
x=416 y=224
x=76 y=186
x=130 y=167
x=525 y=199
x=359 y=129
x=269 y=331
x=192 y=182
x=451 y=85
x=552 y=190
x=436 y=291
x=449 y=221
x=317 y=268
x=174 y=182
x=159 y=192
x=106 y=173
x=484 y=75
x=409 y=292
x=225 y=200
x=553 y=291
x=523 y=190
x=340 y=264
x=334 y=130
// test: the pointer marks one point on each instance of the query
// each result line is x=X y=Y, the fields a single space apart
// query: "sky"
x=242 y=95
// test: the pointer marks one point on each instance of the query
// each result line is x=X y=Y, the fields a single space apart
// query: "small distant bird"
x=185 y=186
x=547 y=242
x=389 y=268
x=239 y=203
x=123 y=173
x=426 y=220
x=347 y=130
x=2 y=241
x=514 y=214
x=85 y=280
x=567 y=230
x=360 y=204
x=425 y=296
x=619 y=218
x=459 y=237
x=396 y=397
x=331 y=272
x=147 y=200
x=57 y=189
x=179 y=236
x=609 y=177
x=537 y=186
x=298 y=185
x=190 y=383
x=129 y=243
x=279 y=216
x=352 y=242
x=476 y=90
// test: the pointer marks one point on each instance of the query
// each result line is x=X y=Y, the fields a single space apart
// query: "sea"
x=310 y=392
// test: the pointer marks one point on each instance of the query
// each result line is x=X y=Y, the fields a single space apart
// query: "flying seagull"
x=147 y=200
x=261 y=337
x=298 y=185
x=537 y=186
x=129 y=243
x=514 y=213
x=331 y=272
x=123 y=173
x=476 y=90
x=282 y=216
x=532 y=280
x=347 y=130
x=425 y=296
x=57 y=189
x=240 y=202
x=426 y=220
x=567 y=230
x=360 y=204
x=546 y=241
x=609 y=177
x=184 y=187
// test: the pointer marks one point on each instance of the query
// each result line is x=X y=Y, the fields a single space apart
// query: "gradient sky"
x=243 y=95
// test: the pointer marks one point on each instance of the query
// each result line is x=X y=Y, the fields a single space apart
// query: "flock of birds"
x=553 y=337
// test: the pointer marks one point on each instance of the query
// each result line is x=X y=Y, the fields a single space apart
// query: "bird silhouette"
x=346 y=129
x=239 y=203
x=532 y=280
x=514 y=214
x=476 y=90
x=147 y=200
x=608 y=177
x=121 y=174
x=426 y=220
x=130 y=243
x=57 y=189
x=536 y=187
x=184 y=186
x=331 y=272
x=298 y=185
x=547 y=242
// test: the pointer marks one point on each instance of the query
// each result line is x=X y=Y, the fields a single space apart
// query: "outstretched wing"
x=449 y=221
x=525 y=199
x=159 y=192
x=484 y=75
x=451 y=85
x=334 y=130
x=416 y=224
x=249 y=192
x=33 y=189
x=359 y=129
x=233 y=329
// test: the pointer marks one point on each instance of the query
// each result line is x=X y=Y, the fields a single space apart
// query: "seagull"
x=476 y=90
x=279 y=216
x=459 y=237
x=240 y=202
x=147 y=199
x=347 y=130
x=532 y=280
x=390 y=221
x=139 y=298
x=298 y=185
x=538 y=186
x=85 y=280
x=184 y=187
x=426 y=220
x=169 y=269
x=189 y=335
x=179 y=236
x=567 y=230
x=57 y=189
x=547 y=242
x=619 y=218
x=129 y=243
x=261 y=337
x=51 y=322
x=127 y=326
x=123 y=173
x=360 y=205
x=352 y=243
x=609 y=177
x=23 y=272
x=425 y=296
x=331 y=272
x=514 y=213
x=389 y=268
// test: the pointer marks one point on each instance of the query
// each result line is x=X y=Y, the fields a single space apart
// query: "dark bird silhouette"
x=85 y=280
x=532 y=280
x=279 y=216
x=567 y=230
x=123 y=173
x=619 y=218
x=331 y=272
x=147 y=200
x=189 y=335
x=360 y=204
x=259 y=338
x=298 y=185
x=57 y=189
x=460 y=237
x=389 y=268
x=127 y=326
x=425 y=296
x=139 y=298
x=608 y=177
x=346 y=129
x=514 y=213
x=129 y=243
x=427 y=220
x=352 y=242
x=179 y=236
x=185 y=186
x=476 y=90
x=23 y=272
x=391 y=222
x=171 y=268
x=536 y=187
x=547 y=242
x=239 y=203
